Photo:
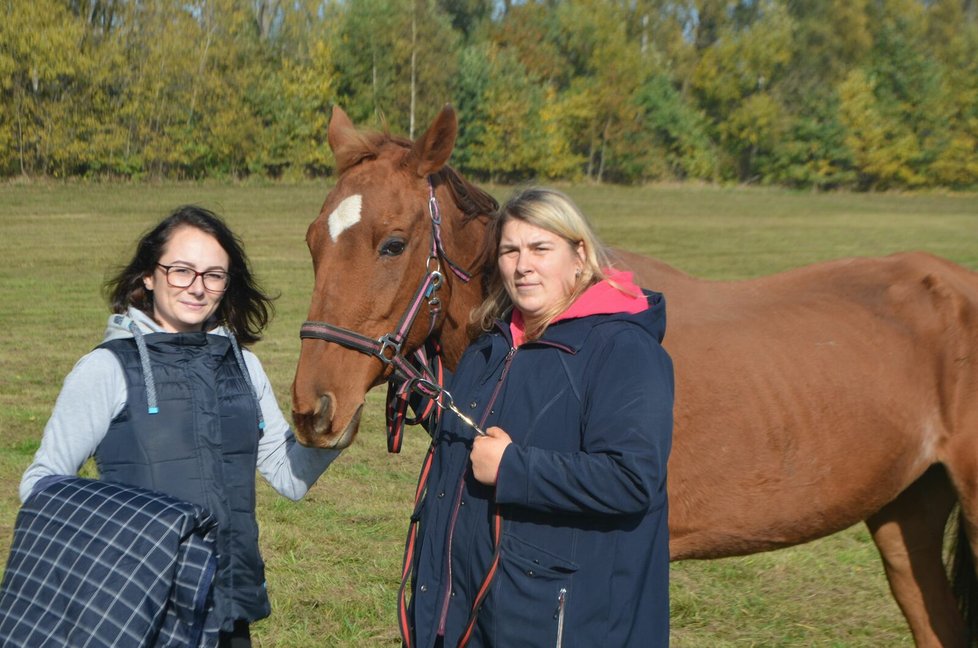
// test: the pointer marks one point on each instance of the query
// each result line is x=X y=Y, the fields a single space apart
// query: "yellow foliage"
x=883 y=148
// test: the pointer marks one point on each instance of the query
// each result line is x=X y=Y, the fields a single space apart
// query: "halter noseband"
x=421 y=373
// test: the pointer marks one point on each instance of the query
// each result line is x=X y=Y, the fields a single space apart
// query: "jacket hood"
x=120 y=325
x=616 y=298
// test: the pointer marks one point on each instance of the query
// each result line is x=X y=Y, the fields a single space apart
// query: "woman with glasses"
x=172 y=402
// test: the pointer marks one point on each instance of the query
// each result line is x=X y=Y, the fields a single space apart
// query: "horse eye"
x=392 y=247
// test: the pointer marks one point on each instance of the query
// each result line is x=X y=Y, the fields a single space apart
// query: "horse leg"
x=961 y=459
x=909 y=533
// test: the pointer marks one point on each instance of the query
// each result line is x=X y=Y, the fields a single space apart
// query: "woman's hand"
x=487 y=453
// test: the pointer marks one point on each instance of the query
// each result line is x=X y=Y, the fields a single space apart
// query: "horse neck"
x=455 y=330
x=464 y=247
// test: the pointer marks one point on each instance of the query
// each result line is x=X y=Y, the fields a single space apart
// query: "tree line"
x=862 y=94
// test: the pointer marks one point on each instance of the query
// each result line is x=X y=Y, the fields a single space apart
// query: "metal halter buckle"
x=387 y=342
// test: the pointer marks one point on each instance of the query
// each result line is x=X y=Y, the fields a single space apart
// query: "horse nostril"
x=323 y=414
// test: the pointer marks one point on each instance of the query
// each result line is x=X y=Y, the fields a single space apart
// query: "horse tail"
x=964 y=582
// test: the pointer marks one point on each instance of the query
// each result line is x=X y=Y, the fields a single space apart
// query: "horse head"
x=395 y=218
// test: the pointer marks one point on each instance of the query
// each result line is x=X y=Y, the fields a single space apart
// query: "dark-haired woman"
x=170 y=400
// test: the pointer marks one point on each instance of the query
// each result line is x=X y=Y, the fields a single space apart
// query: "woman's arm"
x=627 y=435
x=289 y=467
x=93 y=393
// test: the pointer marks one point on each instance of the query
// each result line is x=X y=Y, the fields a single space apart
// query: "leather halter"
x=422 y=372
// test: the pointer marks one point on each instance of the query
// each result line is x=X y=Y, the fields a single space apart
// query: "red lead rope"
x=497 y=533
x=404 y=623
x=403 y=619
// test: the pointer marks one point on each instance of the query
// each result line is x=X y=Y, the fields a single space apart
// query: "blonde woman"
x=550 y=529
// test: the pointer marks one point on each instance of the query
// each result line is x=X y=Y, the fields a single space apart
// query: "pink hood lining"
x=600 y=299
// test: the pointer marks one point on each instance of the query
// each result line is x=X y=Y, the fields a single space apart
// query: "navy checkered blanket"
x=95 y=564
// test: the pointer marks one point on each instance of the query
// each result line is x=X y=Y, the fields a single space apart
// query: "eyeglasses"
x=184 y=277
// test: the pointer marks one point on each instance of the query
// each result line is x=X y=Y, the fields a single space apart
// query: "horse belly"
x=794 y=426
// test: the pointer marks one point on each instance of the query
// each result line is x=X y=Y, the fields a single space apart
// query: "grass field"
x=334 y=558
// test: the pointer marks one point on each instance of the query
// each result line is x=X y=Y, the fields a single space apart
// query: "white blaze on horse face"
x=346 y=214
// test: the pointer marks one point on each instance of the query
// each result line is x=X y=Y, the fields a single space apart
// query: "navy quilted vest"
x=200 y=447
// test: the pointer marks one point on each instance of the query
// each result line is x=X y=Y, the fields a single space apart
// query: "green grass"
x=334 y=558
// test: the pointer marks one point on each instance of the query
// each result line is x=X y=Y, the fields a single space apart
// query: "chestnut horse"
x=806 y=401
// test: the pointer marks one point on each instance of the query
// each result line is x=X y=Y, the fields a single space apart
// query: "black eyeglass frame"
x=225 y=277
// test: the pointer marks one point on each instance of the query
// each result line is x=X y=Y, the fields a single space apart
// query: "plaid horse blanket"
x=97 y=564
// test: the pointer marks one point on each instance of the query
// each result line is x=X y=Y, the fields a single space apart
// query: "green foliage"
x=38 y=41
x=817 y=93
x=884 y=149
x=509 y=143
x=813 y=152
x=830 y=37
x=733 y=81
x=675 y=132
x=469 y=89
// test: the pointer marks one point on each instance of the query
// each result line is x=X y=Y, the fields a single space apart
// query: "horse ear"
x=432 y=150
x=343 y=138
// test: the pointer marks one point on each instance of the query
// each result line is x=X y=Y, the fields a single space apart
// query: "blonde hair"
x=556 y=213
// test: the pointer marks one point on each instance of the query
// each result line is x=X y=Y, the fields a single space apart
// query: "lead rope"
x=443 y=400
x=407 y=569
x=497 y=534
x=427 y=380
x=434 y=393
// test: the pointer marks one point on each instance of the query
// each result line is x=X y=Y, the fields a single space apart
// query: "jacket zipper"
x=447 y=595
x=561 y=605
x=507 y=361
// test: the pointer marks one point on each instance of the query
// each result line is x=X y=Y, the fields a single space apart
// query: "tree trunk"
x=414 y=68
x=200 y=68
x=20 y=141
x=604 y=148
x=590 y=160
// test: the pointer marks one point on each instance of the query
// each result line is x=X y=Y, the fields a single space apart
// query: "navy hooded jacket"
x=581 y=491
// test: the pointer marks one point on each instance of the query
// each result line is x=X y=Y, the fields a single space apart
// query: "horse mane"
x=470 y=199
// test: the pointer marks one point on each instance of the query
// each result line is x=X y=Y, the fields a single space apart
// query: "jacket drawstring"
x=151 y=403
x=247 y=376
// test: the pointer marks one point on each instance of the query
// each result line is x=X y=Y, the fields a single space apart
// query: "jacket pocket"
x=530 y=595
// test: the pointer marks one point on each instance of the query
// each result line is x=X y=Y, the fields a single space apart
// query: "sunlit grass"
x=334 y=558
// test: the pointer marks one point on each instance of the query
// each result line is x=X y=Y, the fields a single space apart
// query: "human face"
x=181 y=310
x=539 y=269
